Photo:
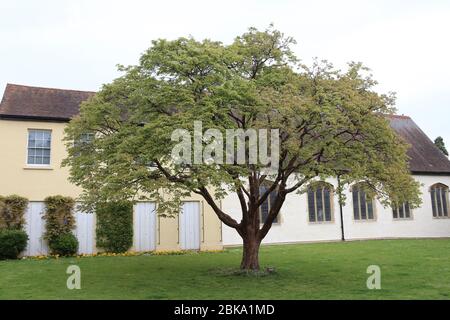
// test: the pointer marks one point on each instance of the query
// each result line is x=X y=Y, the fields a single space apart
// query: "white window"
x=83 y=141
x=319 y=202
x=363 y=204
x=402 y=212
x=439 y=200
x=39 y=146
x=86 y=138
x=264 y=209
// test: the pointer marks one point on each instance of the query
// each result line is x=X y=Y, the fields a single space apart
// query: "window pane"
x=355 y=203
x=407 y=210
x=319 y=204
x=47 y=143
x=86 y=137
x=39 y=144
x=433 y=201
x=439 y=202
x=363 y=209
x=46 y=160
x=273 y=197
x=264 y=209
x=31 y=135
x=395 y=212
x=401 y=212
x=370 y=208
x=327 y=200
x=444 y=201
x=311 y=208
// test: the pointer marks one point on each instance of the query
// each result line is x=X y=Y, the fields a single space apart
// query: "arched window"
x=265 y=207
x=402 y=211
x=363 y=203
x=439 y=200
x=320 y=202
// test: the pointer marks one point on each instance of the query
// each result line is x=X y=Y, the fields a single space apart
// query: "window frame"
x=278 y=217
x=446 y=192
x=85 y=138
x=80 y=141
x=38 y=165
x=411 y=217
x=374 y=211
x=322 y=185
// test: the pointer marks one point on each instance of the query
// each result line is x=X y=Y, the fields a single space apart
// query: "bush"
x=12 y=243
x=58 y=216
x=65 y=244
x=12 y=211
x=115 y=226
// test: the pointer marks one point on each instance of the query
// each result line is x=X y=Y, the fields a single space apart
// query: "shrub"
x=12 y=243
x=65 y=244
x=12 y=211
x=115 y=226
x=58 y=216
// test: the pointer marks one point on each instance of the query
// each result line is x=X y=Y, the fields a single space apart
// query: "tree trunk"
x=250 y=253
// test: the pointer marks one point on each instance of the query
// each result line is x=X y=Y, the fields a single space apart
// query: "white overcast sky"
x=76 y=44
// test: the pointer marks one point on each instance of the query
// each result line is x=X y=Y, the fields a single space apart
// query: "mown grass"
x=410 y=269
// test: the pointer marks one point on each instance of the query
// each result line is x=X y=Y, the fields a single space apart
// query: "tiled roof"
x=41 y=103
x=24 y=102
x=425 y=157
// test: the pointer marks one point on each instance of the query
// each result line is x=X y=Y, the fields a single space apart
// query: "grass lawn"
x=410 y=269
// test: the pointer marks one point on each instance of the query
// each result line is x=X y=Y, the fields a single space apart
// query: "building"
x=32 y=122
x=315 y=215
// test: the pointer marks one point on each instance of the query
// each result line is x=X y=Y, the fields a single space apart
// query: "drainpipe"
x=340 y=207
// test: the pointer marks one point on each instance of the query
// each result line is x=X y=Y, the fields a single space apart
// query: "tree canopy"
x=439 y=142
x=329 y=122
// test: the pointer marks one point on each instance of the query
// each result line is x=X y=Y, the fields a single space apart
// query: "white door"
x=189 y=226
x=35 y=228
x=145 y=226
x=85 y=232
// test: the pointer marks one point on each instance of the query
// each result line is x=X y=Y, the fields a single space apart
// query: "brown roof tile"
x=41 y=103
x=425 y=157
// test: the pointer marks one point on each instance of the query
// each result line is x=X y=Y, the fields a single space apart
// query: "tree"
x=439 y=142
x=328 y=122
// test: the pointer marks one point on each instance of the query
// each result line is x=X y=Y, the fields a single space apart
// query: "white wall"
x=294 y=224
x=35 y=229
x=144 y=224
x=85 y=232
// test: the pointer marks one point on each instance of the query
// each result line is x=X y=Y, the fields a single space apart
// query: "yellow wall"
x=19 y=178
x=16 y=177
x=210 y=229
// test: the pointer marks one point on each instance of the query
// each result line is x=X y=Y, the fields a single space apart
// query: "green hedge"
x=64 y=245
x=60 y=222
x=12 y=212
x=58 y=216
x=12 y=243
x=115 y=226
